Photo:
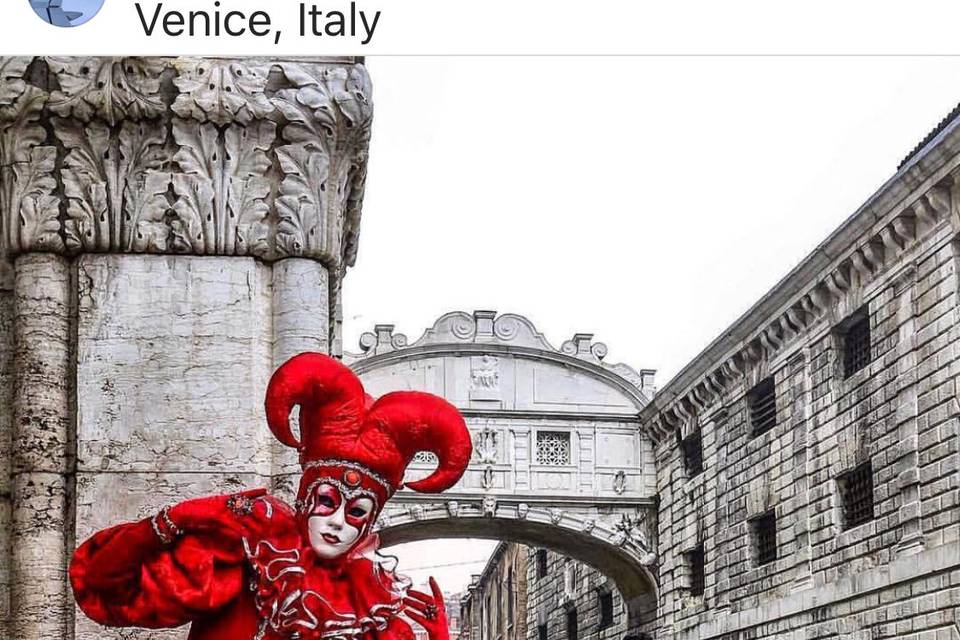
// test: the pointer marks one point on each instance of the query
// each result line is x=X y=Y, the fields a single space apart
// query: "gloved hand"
x=429 y=611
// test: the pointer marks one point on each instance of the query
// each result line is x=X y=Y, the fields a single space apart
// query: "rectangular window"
x=763 y=530
x=762 y=401
x=856 y=494
x=553 y=448
x=696 y=563
x=856 y=343
x=692 y=447
x=606 y=609
x=572 y=624
x=541 y=563
x=541 y=632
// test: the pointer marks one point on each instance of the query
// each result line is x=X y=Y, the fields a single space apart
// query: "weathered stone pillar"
x=41 y=446
x=178 y=227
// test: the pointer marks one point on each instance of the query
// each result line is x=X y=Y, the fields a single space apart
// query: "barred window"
x=697 y=565
x=553 y=448
x=606 y=609
x=541 y=563
x=692 y=447
x=572 y=630
x=856 y=343
x=762 y=400
x=856 y=494
x=763 y=530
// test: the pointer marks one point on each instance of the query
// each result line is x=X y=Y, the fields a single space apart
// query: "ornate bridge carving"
x=560 y=459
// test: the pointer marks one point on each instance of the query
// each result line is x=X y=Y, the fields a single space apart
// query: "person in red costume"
x=249 y=566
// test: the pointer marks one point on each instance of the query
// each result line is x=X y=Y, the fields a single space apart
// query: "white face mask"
x=335 y=524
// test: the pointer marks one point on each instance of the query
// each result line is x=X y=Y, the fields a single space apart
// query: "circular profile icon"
x=66 y=13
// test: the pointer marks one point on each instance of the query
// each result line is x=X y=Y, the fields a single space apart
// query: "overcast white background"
x=650 y=201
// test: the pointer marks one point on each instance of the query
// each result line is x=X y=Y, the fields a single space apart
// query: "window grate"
x=541 y=563
x=856 y=345
x=692 y=447
x=762 y=400
x=764 y=531
x=606 y=609
x=572 y=631
x=553 y=448
x=856 y=492
x=697 y=564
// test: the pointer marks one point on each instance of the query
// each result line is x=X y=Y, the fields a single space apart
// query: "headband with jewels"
x=361 y=444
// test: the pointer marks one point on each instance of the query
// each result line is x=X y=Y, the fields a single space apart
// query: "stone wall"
x=895 y=574
x=495 y=606
x=570 y=586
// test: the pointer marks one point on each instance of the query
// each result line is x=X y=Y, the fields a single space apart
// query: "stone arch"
x=623 y=556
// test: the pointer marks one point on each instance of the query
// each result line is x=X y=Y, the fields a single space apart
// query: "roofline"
x=920 y=167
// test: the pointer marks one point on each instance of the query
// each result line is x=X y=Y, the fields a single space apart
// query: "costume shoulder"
x=184 y=562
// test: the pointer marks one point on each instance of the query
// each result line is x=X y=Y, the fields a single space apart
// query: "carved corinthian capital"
x=204 y=156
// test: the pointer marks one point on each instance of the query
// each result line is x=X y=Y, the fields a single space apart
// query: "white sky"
x=650 y=201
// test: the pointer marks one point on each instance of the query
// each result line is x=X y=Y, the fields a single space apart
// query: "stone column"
x=41 y=447
x=178 y=227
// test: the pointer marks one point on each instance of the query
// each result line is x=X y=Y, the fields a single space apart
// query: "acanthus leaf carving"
x=104 y=175
x=303 y=202
x=221 y=190
x=30 y=216
x=221 y=92
x=110 y=88
x=12 y=83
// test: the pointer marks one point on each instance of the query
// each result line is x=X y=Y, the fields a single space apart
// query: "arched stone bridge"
x=560 y=460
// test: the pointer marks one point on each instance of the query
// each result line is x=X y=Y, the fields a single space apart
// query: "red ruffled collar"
x=298 y=596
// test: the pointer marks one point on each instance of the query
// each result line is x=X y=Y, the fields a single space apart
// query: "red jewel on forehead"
x=351 y=478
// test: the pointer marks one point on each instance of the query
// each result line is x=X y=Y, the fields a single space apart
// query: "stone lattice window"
x=425 y=457
x=856 y=343
x=696 y=563
x=763 y=530
x=553 y=448
x=606 y=609
x=692 y=447
x=762 y=400
x=856 y=493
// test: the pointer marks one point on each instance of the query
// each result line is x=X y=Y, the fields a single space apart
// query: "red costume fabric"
x=244 y=566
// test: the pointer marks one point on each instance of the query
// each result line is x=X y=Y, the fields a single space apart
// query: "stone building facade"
x=807 y=460
x=495 y=604
x=569 y=600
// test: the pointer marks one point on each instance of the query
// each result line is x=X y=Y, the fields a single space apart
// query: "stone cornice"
x=908 y=208
x=509 y=333
x=204 y=156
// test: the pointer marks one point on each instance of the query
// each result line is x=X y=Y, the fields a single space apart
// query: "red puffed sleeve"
x=127 y=576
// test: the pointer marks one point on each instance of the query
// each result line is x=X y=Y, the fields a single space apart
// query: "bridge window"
x=606 y=609
x=763 y=530
x=762 y=400
x=572 y=630
x=510 y=595
x=541 y=563
x=692 y=447
x=553 y=448
x=855 y=333
x=697 y=565
x=856 y=493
